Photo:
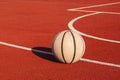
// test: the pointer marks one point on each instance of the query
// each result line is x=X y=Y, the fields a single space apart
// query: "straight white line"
x=99 y=5
x=39 y=51
x=15 y=46
x=22 y=47
x=100 y=62
x=79 y=10
x=117 y=13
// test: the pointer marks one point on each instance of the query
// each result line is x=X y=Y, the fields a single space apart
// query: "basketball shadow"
x=45 y=53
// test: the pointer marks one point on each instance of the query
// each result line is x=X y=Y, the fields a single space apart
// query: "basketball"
x=68 y=46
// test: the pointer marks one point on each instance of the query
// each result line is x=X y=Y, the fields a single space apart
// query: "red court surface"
x=30 y=25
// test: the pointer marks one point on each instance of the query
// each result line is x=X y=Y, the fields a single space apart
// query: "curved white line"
x=70 y=25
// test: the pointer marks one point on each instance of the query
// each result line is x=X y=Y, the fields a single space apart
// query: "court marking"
x=40 y=51
x=70 y=24
x=99 y=5
x=91 y=11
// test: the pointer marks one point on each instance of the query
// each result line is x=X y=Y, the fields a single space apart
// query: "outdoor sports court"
x=28 y=27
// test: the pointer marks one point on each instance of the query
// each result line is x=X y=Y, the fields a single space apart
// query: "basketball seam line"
x=74 y=47
x=62 y=47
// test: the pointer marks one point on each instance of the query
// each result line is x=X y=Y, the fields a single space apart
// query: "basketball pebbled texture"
x=68 y=46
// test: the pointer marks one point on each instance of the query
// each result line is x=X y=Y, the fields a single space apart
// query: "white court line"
x=100 y=62
x=117 y=13
x=22 y=47
x=15 y=46
x=70 y=25
x=39 y=51
x=99 y=5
